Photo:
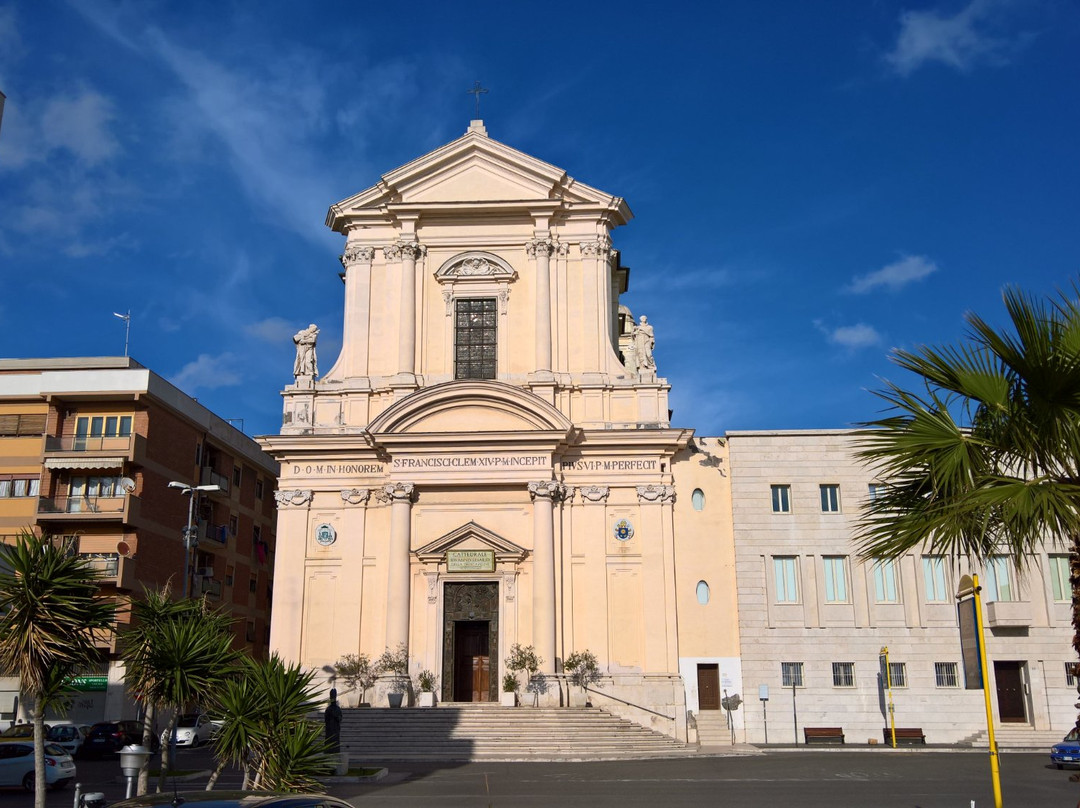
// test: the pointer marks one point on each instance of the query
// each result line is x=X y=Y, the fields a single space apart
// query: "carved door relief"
x=470 y=641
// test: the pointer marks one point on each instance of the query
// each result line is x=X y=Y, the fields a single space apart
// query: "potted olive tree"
x=357 y=672
x=525 y=659
x=583 y=670
x=395 y=666
x=426 y=682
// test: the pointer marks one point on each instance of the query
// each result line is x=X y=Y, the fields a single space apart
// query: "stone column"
x=398 y=595
x=541 y=249
x=407 y=327
x=294 y=509
x=544 y=494
x=354 y=335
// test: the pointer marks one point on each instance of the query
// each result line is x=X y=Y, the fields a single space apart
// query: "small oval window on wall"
x=698 y=499
x=702 y=593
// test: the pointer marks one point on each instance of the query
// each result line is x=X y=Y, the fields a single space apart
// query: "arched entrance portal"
x=470 y=642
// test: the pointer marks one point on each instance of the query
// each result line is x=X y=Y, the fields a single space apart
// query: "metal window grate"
x=843 y=674
x=945 y=674
x=475 y=338
x=791 y=674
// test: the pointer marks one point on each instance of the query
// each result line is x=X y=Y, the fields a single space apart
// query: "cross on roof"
x=477 y=90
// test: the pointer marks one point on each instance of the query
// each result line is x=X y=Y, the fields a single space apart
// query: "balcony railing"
x=207 y=476
x=84 y=507
x=84 y=443
x=106 y=564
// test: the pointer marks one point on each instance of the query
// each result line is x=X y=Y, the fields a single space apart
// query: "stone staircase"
x=492 y=732
x=1018 y=736
x=713 y=728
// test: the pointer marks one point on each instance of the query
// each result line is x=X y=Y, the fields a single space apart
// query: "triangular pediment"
x=474 y=169
x=472 y=536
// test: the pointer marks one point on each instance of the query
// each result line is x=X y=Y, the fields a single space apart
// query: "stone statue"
x=306 y=363
x=332 y=723
x=643 y=345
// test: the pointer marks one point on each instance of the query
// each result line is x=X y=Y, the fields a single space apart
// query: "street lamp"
x=191 y=538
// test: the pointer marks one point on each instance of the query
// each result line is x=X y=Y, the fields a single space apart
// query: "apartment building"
x=88 y=448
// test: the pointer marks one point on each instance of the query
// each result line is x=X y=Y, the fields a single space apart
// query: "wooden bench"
x=905 y=735
x=823 y=735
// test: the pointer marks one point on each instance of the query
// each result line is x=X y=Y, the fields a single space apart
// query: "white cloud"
x=76 y=124
x=272 y=329
x=679 y=279
x=961 y=41
x=855 y=336
x=893 y=276
x=208 y=372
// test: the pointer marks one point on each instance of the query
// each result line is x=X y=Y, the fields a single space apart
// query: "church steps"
x=497 y=733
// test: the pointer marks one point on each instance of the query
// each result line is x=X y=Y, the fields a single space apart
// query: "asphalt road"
x=924 y=779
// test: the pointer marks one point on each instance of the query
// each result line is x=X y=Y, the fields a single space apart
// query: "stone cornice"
x=547 y=489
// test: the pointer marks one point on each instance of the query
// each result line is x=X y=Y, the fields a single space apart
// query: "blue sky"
x=814 y=184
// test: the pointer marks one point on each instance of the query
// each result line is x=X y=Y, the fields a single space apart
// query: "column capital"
x=392 y=252
x=596 y=249
x=594 y=493
x=293 y=497
x=656 y=493
x=355 y=496
x=540 y=246
x=412 y=250
x=399 y=492
x=357 y=254
x=547 y=489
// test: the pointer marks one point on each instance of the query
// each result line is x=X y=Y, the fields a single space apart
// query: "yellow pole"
x=995 y=763
x=888 y=686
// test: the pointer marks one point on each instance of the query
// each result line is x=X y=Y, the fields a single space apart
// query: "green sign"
x=86 y=683
x=470 y=561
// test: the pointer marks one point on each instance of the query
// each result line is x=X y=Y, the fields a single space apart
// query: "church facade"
x=490 y=461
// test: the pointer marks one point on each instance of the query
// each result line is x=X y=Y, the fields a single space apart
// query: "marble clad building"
x=490 y=459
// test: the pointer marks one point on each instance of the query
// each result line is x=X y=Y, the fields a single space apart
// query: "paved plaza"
x=882 y=779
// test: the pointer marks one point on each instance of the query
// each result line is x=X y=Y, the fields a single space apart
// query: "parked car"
x=21 y=731
x=109 y=737
x=69 y=736
x=1067 y=753
x=17 y=765
x=191 y=730
x=234 y=799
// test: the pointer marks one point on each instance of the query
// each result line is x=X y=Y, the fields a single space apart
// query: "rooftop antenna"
x=127 y=327
x=477 y=90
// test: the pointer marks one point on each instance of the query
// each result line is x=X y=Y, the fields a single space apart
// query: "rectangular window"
x=885 y=590
x=5 y=488
x=836 y=579
x=21 y=426
x=229 y=572
x=843 y=674
x=830 y=498
x=250 y=634
x=253 y=584
x=999 y=582
x=791 y=674
x=934 y=578
x=258 y=489
x=898 y=674
x=781 y=499
x=787 y=585
x=234 y=524
x=475 y=338
x=1070 y=674
x=236 y=476
x=945 y=674
x=873 y=491
x=1059 y=578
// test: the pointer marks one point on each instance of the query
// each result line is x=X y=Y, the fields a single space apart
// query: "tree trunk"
x=165 y=749
x=39 y=755
x=143 y=784
x=217 y=773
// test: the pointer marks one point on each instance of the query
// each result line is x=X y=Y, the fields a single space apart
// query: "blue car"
x=1068 y=751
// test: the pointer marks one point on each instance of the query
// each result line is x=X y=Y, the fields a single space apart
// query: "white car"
x=17 y=765
x=68 y=735
x=191 y=730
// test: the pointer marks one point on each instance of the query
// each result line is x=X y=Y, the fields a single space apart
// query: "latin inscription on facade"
x=470 y=462
x=470 y=560
x=338 y=468
x=609 y=465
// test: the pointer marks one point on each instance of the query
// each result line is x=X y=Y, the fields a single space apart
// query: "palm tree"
x=138 y=648
x=985 y=457
x=176 y=654
x=266 y=730
x=52 y=617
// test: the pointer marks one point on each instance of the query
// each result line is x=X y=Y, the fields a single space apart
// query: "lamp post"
x=191 y=538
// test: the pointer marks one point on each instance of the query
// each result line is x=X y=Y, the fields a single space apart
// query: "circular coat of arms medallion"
x=624 y=530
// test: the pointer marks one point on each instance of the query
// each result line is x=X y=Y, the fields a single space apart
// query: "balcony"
x=207 y=476
x=84 y=452
x=208 y=587
x=113 y=568
x=1008 y=613
x=71 y=509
